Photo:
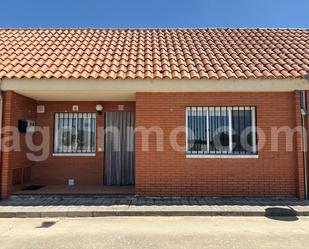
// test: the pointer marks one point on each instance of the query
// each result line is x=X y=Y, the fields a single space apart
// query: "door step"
x=68 y=196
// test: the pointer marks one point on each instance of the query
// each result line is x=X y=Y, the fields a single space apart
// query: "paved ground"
x=141 y=206
x=154 y=232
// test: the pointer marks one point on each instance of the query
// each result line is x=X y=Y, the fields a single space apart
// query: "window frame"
x=73 y=153
x=229 y=154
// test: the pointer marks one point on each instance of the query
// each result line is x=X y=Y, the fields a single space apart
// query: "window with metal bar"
x=75 y=132
x=221 y=130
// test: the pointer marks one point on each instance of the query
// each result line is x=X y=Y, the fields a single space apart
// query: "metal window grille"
x=75 y=132
x=221 y=130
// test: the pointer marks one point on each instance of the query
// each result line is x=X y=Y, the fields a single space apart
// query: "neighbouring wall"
x=170 y=173
x=16 y=167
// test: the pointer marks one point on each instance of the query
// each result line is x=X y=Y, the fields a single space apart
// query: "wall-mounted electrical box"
x=30 y=126
x=71 y=182
x=26 y=126
x=40 y=108
x=22 y=126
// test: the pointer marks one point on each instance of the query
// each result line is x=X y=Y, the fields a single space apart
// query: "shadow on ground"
x=282 y=214
x=47 y=224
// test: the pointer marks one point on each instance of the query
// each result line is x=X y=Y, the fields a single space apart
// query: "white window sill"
x=74 y=154
x=223 y=156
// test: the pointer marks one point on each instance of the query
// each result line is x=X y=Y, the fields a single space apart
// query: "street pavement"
x=155 y=232
x=59 y=206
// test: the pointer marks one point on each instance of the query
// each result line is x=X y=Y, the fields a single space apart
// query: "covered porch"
x=61 y=169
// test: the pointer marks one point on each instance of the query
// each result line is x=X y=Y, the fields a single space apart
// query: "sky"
x=154 y=13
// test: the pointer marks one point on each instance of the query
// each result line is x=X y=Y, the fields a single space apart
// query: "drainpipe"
x=1 y=112
x=304 y=114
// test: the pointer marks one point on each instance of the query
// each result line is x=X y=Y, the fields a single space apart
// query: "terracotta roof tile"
x=154 y=53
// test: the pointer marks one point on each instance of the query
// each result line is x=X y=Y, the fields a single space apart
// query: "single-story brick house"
x=190 y=95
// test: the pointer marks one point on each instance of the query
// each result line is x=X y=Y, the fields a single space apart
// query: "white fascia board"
x=125 y=90
x=147 y=85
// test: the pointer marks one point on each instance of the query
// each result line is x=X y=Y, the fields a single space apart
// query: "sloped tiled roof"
x=154 y=53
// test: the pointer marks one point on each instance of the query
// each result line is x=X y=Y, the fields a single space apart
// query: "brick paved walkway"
x=141 y=206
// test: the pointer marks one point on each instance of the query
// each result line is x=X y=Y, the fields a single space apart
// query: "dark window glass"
x=221 y=130
x=75 y=132
x=197 y=127
x=242 y=131
x=218 y=130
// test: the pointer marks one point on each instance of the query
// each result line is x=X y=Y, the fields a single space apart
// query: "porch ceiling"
x=85 y=95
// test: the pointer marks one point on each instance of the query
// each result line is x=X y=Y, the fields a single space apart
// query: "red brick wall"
x=170 y=173
x=15 y=164
x=85 y=170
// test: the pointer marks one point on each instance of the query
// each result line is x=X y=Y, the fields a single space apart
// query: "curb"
x=43 y=214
